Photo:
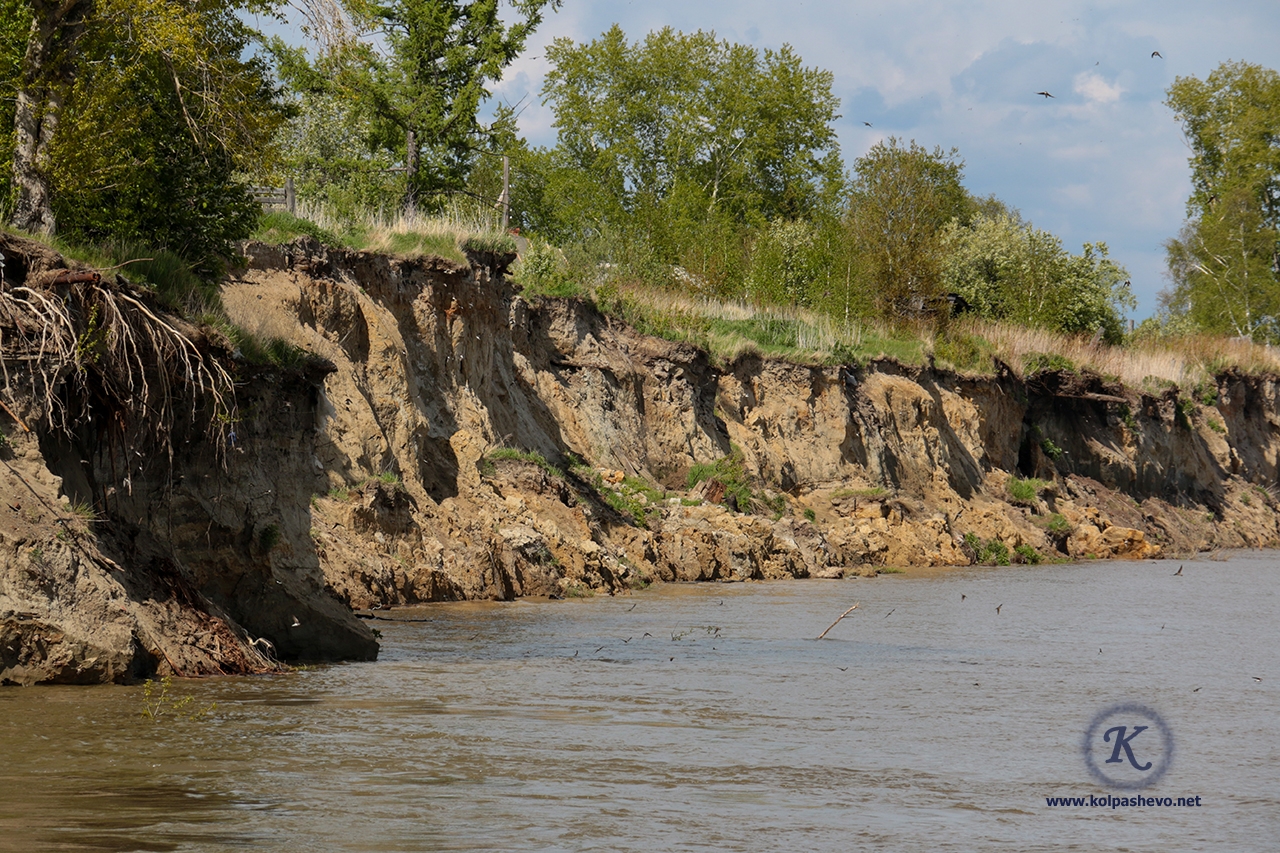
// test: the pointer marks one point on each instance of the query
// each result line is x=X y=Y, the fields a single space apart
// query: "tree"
x=112 y=95
x=443 y=55
x=1008 y=270
x=165 y=116
x=692 y=120
x=332 y=146
x=48 y=69
x=1225 y=263
x=902 y=197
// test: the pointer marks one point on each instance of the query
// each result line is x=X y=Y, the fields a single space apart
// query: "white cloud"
x=1096 y=89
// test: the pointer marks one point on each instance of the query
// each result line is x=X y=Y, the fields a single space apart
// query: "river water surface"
x=698 y=718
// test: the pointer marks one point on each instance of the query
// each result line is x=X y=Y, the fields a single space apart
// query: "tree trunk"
x=48 y=69
x=411 y=172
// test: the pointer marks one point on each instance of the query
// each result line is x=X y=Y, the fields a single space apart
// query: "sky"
x=1103 y=160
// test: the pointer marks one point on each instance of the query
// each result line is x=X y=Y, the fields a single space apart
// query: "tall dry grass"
x=729 y=329
x=412 y=233
x=1184 y=361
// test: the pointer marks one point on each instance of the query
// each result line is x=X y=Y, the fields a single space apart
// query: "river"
x=699 y=718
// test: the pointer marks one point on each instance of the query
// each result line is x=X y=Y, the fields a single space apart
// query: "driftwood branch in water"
x=838 y=618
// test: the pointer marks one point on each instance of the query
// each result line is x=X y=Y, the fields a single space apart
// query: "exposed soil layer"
x=156 y=513
x=173 y=509
x=854 y=468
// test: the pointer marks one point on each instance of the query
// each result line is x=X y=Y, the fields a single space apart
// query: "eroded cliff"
x=156 y=491
x=172 y=508
x=855 y=468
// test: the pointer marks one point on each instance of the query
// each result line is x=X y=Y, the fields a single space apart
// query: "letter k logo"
x=1122 y=742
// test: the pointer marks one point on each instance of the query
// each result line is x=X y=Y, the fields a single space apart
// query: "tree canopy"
x=1007 y=270
x=132 y=119
x=692 y=120
x=427 y=90
x=902 y=197
x=1225 y=263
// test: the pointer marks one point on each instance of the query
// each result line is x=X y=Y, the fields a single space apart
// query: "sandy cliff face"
x=231 y=532
x=145 y=528
x=439 y=365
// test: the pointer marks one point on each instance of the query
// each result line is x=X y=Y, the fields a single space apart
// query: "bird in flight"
x=1256 y=678
x=867 y=123
x=1046 y=94
x=890 y=613
x=998 y=606
x=1178 y=573
x=1155 y=54
x=962 y=596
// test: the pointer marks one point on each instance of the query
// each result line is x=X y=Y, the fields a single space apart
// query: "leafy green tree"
x=692 y=120
x=332 y=146
x=902 y=197
x=164 y=114
x=1008 y=270
x=1225 y=263
x=427 y=92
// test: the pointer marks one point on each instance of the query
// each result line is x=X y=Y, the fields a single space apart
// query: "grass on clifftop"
x=179 y=289
x=727 y=330
x=449 y=236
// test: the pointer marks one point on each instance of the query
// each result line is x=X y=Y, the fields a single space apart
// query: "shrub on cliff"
x=728 y=471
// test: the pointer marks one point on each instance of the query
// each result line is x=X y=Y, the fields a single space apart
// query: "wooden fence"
x=277 y=197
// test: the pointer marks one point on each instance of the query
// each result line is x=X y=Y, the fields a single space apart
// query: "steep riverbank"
x=854 y=469
x=450 y=439
x=155 y=513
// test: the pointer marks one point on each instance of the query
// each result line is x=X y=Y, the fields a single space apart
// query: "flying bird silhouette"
x=1256 y=678
x=1178 y=573
x=1197 y=690
x=867 y=123
x=1046 y=94
x=962 y=596
x=998 y=606
x=890 y=613
x=1156 y=54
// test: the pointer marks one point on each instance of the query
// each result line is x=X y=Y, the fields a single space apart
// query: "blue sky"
x=1103 y=160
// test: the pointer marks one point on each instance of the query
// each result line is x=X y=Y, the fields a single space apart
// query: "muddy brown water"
x=698 y=718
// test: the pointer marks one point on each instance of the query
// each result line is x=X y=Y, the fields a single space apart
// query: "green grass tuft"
x=512 y=454
x=1042 y=362
x=728 y=472
x=1026 y=491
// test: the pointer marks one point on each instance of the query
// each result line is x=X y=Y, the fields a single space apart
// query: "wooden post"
x=290 y=200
